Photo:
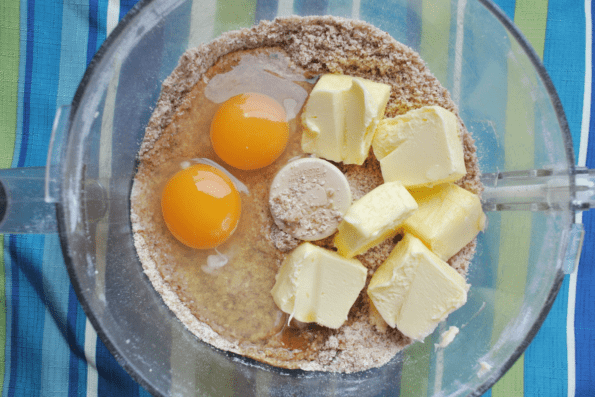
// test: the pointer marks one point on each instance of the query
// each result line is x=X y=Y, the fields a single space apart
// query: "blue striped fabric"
x=46 y=330
x=585 y=295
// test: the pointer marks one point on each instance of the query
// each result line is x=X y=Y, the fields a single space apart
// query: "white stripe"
x=202 y=22
x=439 y=359
x=355 y=6
x=113 y=15
x=582 y=153
x=582 y=160
x=90 y=349
x=458 y=63
x=285 y=8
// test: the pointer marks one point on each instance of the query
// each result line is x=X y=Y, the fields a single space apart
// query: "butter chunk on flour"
x=373 y=218
x=414 y=289
x=317 y=285
x=421 y=147
x=341 y=116
x=448 y=218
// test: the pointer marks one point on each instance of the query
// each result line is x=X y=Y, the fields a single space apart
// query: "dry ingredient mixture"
x=230 y=306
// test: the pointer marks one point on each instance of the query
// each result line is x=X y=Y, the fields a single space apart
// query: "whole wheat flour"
x=245 y=320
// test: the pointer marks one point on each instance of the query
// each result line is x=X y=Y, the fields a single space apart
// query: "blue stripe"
x=81 y=320
x=93 y=23
x=28 y=78
x=41 y=80
x=585 y=299
x=125 y=6
x=26 y=253
x=340 y=8
x=310 y=7
x=392 y=17
x=54 y=369
x=9 y=315
x=265 y=9
x=113 y=380
x=14 y=319
x=564 y=49
x=413 y=21
x=101 y=22
x=546 y=363
x=585 y=286
x=507 y=6
x=73 y=375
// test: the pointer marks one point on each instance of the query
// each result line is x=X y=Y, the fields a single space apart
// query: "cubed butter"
x=448 y=218
x=341 y=116
x=323 y=117
x=421 y=147
x=318 y=285
x=366 y=102
x=414 y=290
x=373 y=218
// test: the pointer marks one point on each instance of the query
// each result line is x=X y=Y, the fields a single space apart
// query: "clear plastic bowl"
x=507 y=102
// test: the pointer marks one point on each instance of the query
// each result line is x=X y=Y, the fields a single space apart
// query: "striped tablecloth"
x=49 y=348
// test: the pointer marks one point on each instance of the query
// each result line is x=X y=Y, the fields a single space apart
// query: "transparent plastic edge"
x=53 y=167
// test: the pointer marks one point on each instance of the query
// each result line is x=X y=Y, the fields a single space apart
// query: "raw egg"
x=201 y=206
x=249 y=131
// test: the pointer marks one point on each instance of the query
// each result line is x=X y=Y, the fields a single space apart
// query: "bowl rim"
x=113 y=37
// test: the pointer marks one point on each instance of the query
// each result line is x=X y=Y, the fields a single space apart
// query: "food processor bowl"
x=525 y=152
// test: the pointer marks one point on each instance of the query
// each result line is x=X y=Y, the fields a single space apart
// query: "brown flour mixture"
x=230 y=306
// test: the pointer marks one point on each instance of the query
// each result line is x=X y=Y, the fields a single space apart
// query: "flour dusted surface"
x=317 y=45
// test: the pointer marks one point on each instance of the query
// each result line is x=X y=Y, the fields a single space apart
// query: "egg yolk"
x=249 y=131
x=201 y=206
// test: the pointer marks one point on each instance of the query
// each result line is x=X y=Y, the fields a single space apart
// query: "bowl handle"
x=545 y=190
x=28 y=196
x=539 y=190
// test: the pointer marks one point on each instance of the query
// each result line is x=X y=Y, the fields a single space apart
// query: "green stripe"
x=416 y=369
x=511 y=384
x=234 y=14
x=435 y=37
x=9 y=77
x=530 y=17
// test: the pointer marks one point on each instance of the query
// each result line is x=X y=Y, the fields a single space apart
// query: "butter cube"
x=366 y=102
x=421 y=147
x=317 y=285
x=341 y=116
x=448 y=218
x=414 y=289
x=373 y=218
x=324 y=117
